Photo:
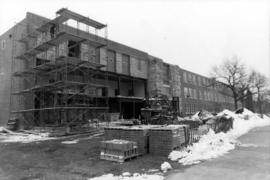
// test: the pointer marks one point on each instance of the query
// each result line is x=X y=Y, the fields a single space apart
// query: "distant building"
x=55 y=73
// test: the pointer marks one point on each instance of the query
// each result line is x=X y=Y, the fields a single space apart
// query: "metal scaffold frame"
x=55 y=78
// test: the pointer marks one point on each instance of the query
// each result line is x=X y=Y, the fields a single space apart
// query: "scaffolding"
x=59 y=85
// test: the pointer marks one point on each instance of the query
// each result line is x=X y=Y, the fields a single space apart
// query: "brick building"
x=62 y=70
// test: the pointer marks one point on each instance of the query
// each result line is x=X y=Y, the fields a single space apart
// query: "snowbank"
x=135 y=176
x=25 y=138
x=213 y=145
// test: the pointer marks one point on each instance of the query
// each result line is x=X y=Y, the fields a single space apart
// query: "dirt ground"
x=52 y=160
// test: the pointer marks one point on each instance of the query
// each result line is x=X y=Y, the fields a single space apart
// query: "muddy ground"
x=52 y=160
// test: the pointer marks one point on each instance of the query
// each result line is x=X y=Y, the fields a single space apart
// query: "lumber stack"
x=118 y=150
x=165 y=139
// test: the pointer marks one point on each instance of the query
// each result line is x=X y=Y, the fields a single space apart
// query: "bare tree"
x=258 y=83
x=233 y=73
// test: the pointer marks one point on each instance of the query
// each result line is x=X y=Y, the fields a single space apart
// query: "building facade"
x=53 y=72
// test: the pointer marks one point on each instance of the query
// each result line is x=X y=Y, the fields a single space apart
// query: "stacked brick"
x=118 y=150
x=138 y=135
x=165 y=139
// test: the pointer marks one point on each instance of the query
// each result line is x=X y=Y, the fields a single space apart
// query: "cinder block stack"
x=118 y=150
x=165 y=139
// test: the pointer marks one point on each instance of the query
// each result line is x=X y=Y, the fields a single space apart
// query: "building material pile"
x=162 y=140
x=138 y=134
x=118 y=150
x=159 y=110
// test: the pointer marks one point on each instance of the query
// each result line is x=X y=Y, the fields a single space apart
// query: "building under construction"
x=66 y=71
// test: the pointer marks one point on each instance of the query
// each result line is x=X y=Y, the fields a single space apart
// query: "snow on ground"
x=213 y=145
x=75 y=141
x=135 y=176
x=25 y=138
x=165 y=167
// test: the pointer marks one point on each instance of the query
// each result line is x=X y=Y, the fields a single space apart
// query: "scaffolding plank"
x=60 y=108
x=57 y=86
x=55 y=21
x=22 y=73
x=83 y=19
x=78 y=61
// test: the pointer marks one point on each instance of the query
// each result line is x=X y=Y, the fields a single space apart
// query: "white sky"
x=194 y=34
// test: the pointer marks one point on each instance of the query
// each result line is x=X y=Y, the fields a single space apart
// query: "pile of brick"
x=137 y=134
x=167 y=138
x=118 y=150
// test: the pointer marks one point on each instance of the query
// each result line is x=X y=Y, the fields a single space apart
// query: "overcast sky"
x=194 y=34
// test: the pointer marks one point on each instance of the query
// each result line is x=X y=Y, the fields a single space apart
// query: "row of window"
x=196 y=80
x=206 y=95
x=202 y=81
x=125 y=62
x=191 y=108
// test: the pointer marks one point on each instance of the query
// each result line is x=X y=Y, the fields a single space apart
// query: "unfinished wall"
x=155 y=81
x=138 y=67
x=6 y=44
x=176 y=83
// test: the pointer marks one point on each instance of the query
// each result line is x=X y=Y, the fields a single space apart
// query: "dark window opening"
x=73 y=49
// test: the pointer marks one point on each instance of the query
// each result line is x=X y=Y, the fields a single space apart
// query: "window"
x=166 y=73
x=126 y=64
x=199 y=80
x=139 y=65
x=3 y=44
x=195 y=93
x=185 y=77
x=194 y=80
x=186 y=94
x=189 y=78
x=190 y=93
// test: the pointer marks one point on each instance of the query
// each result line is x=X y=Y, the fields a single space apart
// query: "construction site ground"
x=51 y=159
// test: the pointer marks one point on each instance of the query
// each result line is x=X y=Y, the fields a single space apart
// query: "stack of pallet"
x=136 y=134
x=118 y=150
x=165 y=139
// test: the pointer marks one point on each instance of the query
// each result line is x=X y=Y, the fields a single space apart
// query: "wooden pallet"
x=115 y=158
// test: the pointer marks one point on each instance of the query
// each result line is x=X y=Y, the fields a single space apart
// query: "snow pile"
x=195 y=117
x=213 y=145
x=124 y=176
x=210 y=146
x=201 y=115
x=26 y=138
x=246 y=121
x=165 y=167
